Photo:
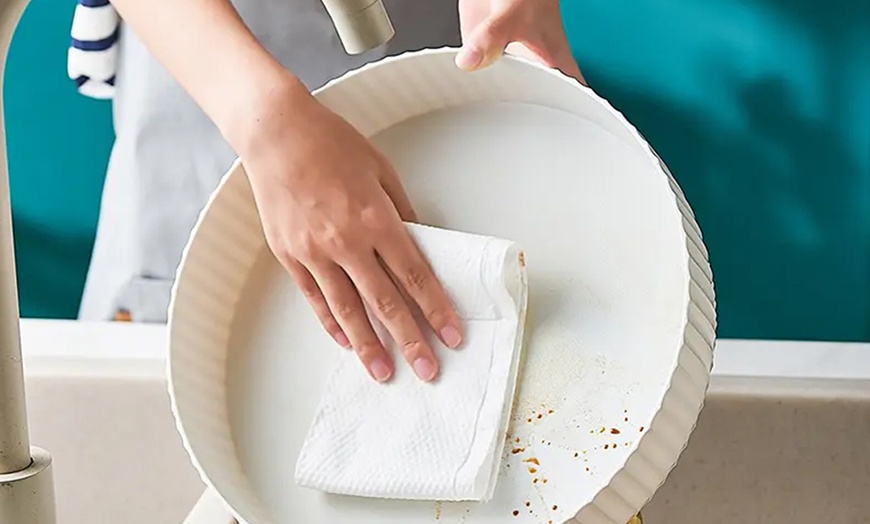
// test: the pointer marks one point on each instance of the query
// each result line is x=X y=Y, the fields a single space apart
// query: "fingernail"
x=469 y=58
x=380 y=370
x=450 y=335
x=342 y=339
x=425 y=369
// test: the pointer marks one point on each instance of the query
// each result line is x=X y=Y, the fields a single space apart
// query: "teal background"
x=760 y=107
x=58 y=145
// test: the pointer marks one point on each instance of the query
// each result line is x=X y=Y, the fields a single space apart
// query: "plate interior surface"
x=608 y=279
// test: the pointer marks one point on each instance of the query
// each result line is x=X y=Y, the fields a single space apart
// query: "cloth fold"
x=439 y=441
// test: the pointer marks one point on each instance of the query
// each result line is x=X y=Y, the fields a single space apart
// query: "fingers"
x=379 y=291
x=347 y=308
x=315 y=297
x=534 y=30
x=486 y=44
x=553 y=49
x=402 y=256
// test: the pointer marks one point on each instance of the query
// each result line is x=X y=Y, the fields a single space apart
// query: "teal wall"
x=58 y=143
x=760 y=107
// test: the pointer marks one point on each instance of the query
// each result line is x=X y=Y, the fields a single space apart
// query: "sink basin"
x=782 y=440
x=774 y=451
x=97 y=401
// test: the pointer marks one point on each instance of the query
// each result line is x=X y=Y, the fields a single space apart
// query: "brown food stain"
x=614 y=431
x=516 y=512
x=555 y=507
x=641 y=429
x=516 y=451
x=533 y=460
x=533 y=470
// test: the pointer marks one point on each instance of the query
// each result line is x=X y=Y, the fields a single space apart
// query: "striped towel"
x=93 y=53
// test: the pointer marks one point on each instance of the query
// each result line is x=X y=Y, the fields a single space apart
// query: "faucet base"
x=27 y=496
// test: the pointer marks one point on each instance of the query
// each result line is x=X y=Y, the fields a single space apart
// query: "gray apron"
x=168 y=156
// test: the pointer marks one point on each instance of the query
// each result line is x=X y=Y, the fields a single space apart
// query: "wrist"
x=254 y=101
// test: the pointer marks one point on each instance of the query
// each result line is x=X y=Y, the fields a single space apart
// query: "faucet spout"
x=361 y=24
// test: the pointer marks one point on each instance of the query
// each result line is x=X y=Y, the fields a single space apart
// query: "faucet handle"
x=361 y=25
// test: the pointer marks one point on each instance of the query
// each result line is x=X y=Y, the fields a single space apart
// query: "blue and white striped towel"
x=93 y=54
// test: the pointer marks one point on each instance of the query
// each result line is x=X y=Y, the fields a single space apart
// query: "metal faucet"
x=361 y=24
x=26 y=485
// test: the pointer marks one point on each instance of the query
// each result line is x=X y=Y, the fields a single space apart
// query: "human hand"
x=332 y=209
x=528 y=28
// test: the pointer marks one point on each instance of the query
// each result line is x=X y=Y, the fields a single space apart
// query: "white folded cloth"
x=438 y=441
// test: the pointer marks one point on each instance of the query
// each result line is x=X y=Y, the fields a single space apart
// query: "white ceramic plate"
x=621 y=314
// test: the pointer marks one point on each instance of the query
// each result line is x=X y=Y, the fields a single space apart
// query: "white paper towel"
x=439 y=441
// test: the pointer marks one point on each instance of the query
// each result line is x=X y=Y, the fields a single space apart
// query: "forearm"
x=207 y=47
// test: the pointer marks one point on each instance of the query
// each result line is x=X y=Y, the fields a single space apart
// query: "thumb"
x=486 y=43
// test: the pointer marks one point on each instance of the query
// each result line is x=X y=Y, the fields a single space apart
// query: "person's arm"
x=331 y=205
x=210 y=51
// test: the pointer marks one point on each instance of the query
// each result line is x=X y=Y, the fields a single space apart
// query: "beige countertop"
x=783 y=438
